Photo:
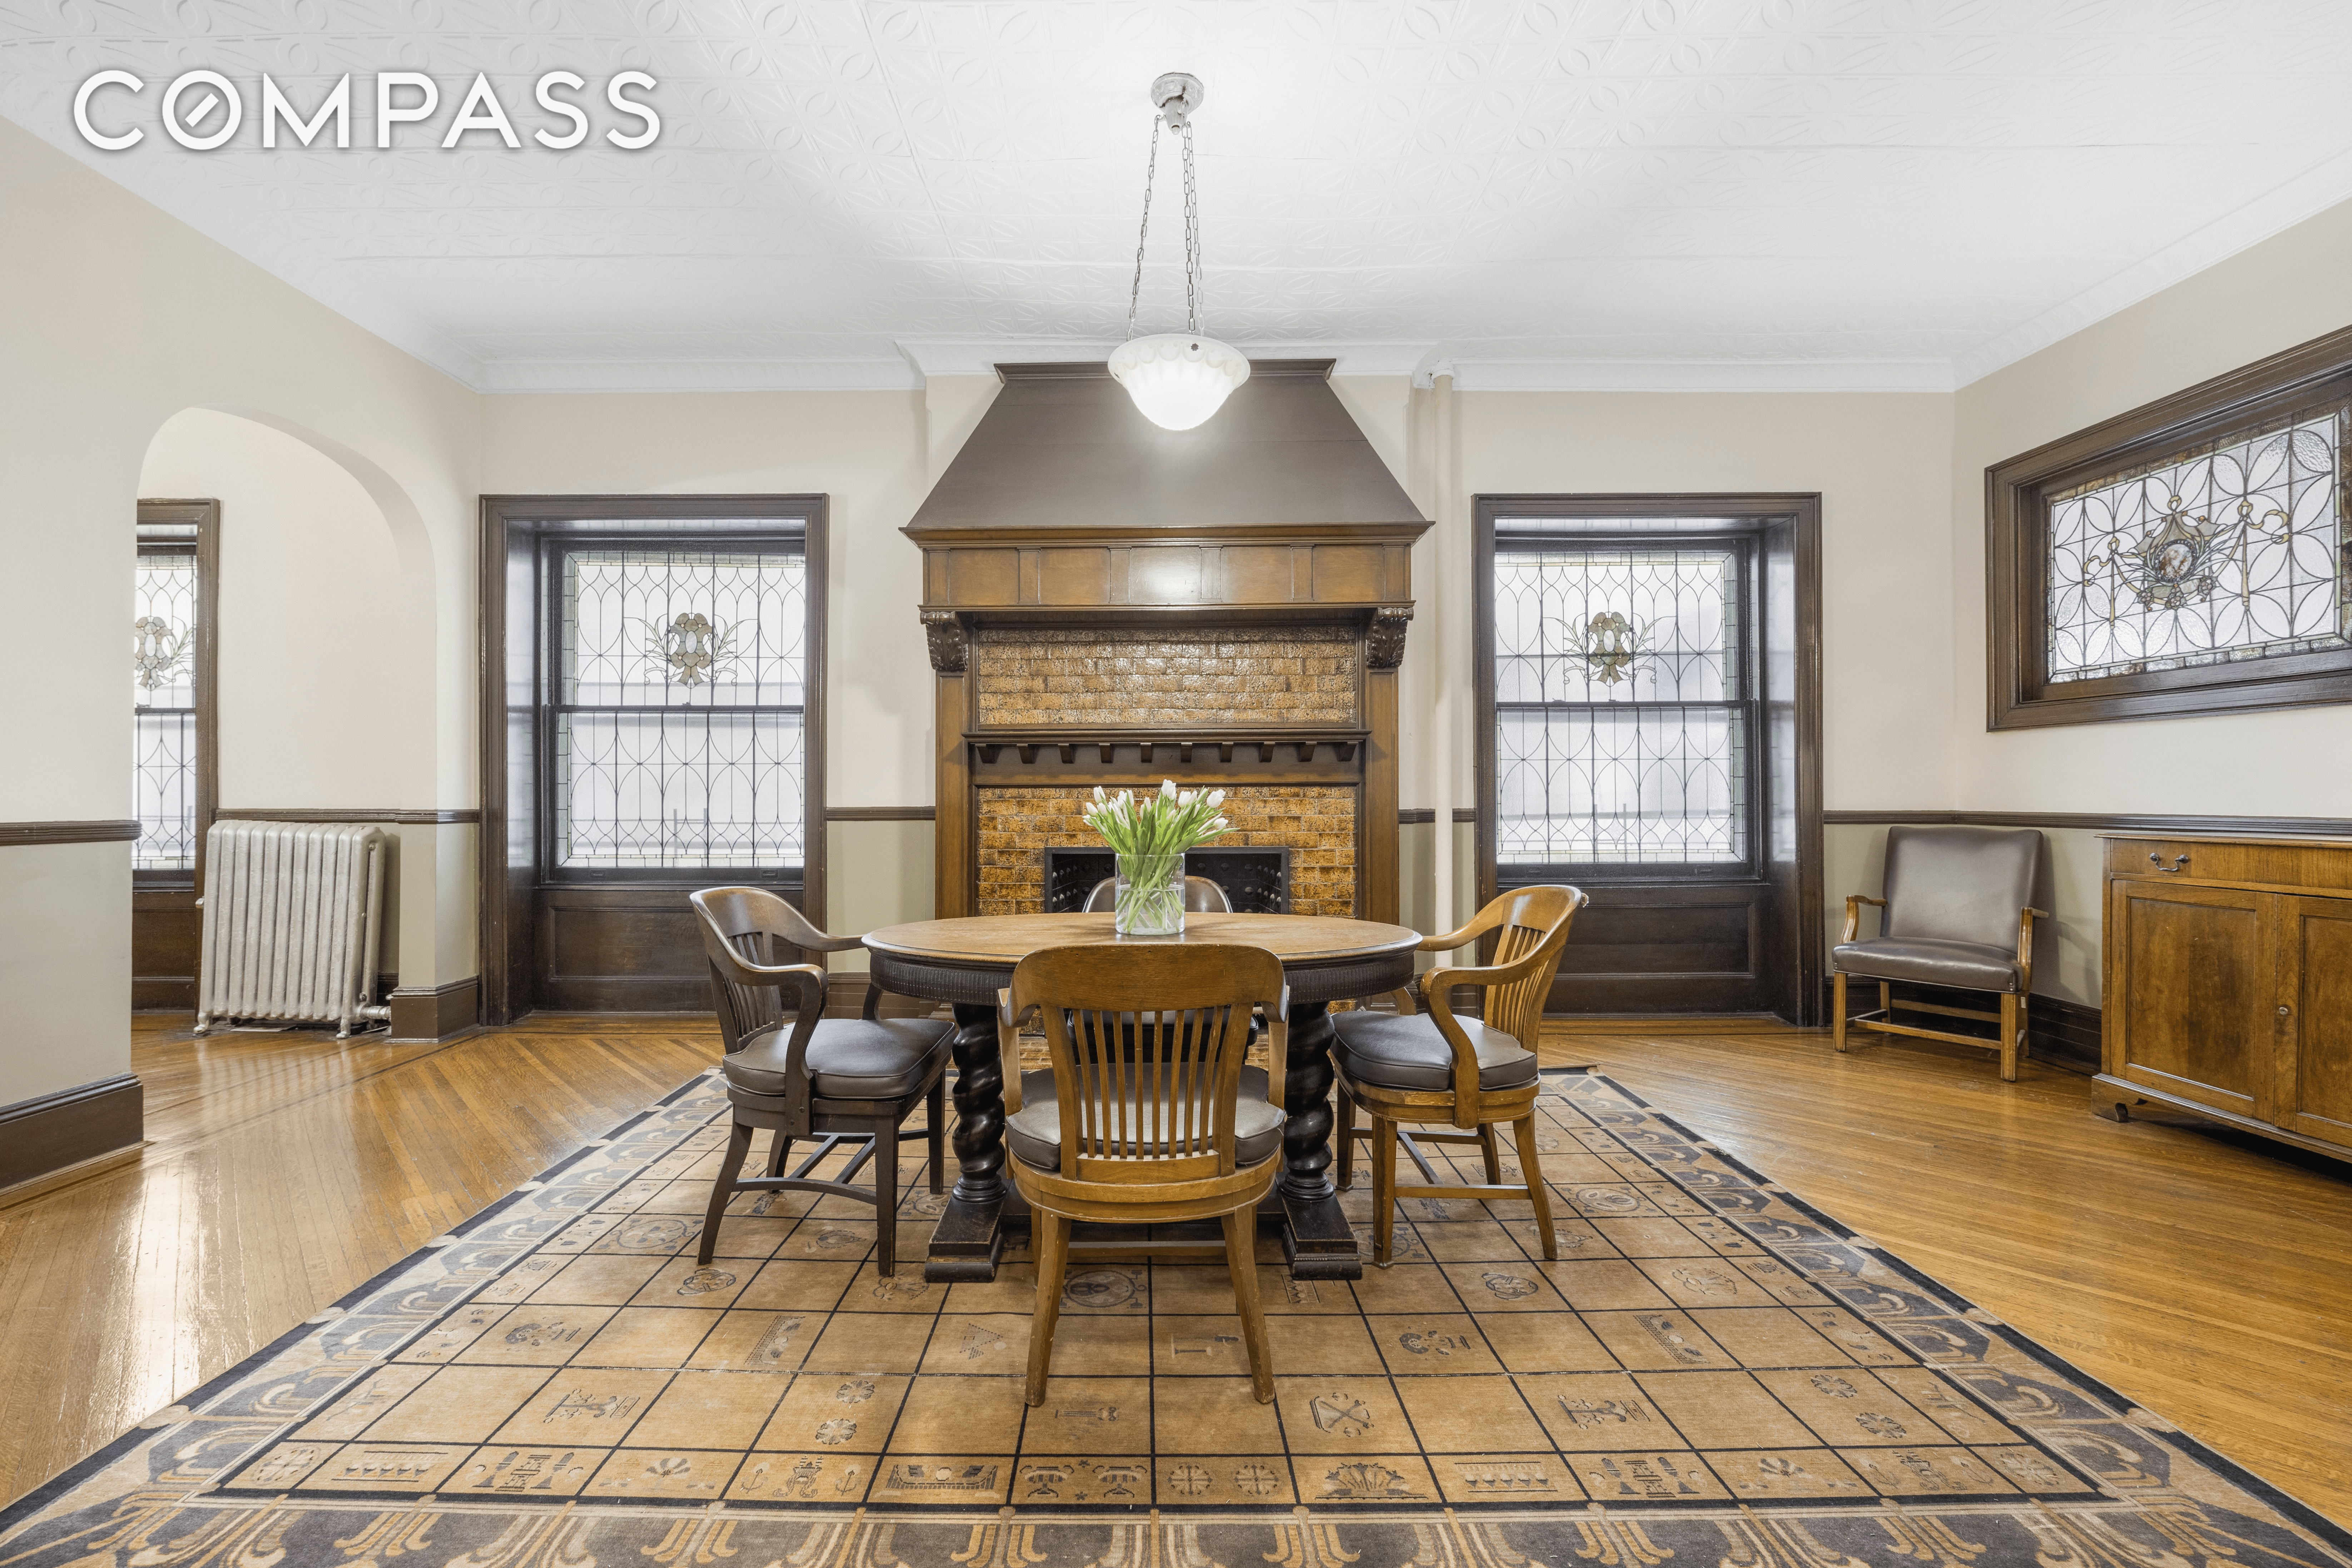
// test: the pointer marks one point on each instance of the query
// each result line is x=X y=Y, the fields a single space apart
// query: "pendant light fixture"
x=1176 y=379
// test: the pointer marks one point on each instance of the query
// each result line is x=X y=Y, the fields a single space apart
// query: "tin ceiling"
x=1537 y=192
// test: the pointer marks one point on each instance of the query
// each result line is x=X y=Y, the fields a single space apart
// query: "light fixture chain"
x=1151 y=169
x=1191 y=239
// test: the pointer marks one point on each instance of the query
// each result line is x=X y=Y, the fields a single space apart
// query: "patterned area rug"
x=1712 y=1373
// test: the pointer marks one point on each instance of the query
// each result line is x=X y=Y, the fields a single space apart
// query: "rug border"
x=2285 y=1503
x=21 y=1511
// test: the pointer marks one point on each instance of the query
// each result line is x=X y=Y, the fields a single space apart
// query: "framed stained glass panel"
x=678 y=711
x=172 y=599
x=1621 y=722
x=2191 y=556
x=2228 y=553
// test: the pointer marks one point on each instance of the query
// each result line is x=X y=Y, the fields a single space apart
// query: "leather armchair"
x=1959 y=913
x=806 y=1077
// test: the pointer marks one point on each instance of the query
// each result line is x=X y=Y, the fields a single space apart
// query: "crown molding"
x=923 y=358
x=1694 y=375
x=522 y=376
x=981 y=356
x=2272 y=212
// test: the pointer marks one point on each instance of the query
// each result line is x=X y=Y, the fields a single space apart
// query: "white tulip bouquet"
x=1150 y=840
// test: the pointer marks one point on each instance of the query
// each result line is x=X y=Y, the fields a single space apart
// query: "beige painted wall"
x=65 y=966
x=879 y=874
x=302 y=676
x=1879 y=461
x=2286 y=291
x=301 y=546
x=868 y=450
x=117 y=318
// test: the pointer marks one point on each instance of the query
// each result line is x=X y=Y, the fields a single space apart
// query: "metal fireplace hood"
x=1064 y=447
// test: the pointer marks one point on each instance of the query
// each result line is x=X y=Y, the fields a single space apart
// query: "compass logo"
x=202 y=110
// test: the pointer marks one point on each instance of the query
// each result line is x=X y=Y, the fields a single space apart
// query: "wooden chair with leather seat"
x=1148 y=1114
x=1472 y=1074
x=1202 y=896
x=803 y=1075
x=1958 y=913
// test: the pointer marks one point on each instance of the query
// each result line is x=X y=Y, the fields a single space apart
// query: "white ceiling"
x=1540 y=193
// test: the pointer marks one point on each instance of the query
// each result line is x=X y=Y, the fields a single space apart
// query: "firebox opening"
x=1256 y=882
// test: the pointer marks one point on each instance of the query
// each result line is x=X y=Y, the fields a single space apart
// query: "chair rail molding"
x=2097 y=822
x=112 y=831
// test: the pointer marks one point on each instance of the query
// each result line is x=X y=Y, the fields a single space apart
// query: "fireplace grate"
x=1256 y=882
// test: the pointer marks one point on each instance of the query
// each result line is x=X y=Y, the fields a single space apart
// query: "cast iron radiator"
x=292 y=919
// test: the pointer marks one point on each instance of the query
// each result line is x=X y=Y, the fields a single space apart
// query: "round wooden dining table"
x=965 y=961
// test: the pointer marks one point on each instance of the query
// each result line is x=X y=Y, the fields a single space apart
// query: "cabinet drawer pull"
x=2178 y=863
x=2285 y=1010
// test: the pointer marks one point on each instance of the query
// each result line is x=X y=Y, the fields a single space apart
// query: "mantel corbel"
x=949 y=640
x=1384 y=639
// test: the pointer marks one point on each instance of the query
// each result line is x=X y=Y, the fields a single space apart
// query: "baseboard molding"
x=1664 y=1025
x=435 y=1011
x=2061 y=1033
x=2295 y=827
x=71 y=1127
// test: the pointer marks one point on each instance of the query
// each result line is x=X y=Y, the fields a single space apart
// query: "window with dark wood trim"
x=174 y=590
x=2191 y=556
x=1684 y=796
x=653 y=721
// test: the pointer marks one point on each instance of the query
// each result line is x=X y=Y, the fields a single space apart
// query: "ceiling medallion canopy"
x=1176 y=379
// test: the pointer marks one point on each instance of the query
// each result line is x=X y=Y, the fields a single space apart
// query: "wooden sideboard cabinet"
x=2228 y=982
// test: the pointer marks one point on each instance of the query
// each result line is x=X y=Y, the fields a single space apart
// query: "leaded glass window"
x=163 y=699
x=1622 y=702
x=677 y=715
x=2229 y=550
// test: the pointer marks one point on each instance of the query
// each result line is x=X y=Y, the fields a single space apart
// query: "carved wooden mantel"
x=1066 y=509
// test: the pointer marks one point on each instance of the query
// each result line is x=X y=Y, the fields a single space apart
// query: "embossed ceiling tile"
x=1666 y=177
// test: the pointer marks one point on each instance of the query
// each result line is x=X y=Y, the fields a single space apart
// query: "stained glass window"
x=677 y=712
x=2230 y=551
x=1621 y=703
x=164 y=701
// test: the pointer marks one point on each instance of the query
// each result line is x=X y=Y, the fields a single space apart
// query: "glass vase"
x=1150 y=896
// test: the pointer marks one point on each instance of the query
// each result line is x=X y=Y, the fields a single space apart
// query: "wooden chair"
x=1202 y=896
x=1438 y=1068
x=1145 y=1122
x=794 y=1070
x=1954 y=897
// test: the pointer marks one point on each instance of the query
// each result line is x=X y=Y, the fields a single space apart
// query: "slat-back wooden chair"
x=1472 y=1074
x=794 y=1070
x=1147 y=1124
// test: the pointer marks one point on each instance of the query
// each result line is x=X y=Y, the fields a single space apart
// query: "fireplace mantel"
x=1108 y=603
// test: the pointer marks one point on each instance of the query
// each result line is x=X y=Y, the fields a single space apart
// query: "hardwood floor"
x=281 y=1172
x=2201 y=1274
x=2201 y=1271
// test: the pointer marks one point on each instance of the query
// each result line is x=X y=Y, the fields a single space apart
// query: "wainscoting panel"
x=620 y=950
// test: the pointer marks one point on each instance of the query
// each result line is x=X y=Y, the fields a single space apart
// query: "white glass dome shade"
x=1178 y=379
